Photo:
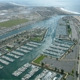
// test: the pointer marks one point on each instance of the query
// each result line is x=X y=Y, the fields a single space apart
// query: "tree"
x=78 y=57
x=64 y=78
x=72 y=50
x=72 y=71
x=56 y=58
x=42 y=64
x=62 y=71
x=77 y=73
x=55 y=68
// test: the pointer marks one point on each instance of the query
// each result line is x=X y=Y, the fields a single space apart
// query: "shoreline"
x=19 y=26
x=68 y=11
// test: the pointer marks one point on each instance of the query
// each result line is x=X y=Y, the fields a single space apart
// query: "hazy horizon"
x=72 y=5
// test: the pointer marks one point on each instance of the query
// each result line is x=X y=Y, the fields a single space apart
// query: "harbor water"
x=7 y=70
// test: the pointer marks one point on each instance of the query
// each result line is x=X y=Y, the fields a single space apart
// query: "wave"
x=69 y=11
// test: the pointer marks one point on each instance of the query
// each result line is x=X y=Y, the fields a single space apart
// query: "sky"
x=46 y=2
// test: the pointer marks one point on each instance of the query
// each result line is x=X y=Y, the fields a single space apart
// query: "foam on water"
x=69 y=11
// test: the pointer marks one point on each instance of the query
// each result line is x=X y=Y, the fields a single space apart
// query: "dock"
x=31 y=45
x=12 y=55
x=58 y=47
x=31 y=73
x=55 y=50
x=60 y=44
x=64 y=42
x=52 y=53
x=7 y=58
x=4 y=62
x=35 y=43
x=18 y=53
x=40 y=76
x=23 y=50
x=28 y=48
x=21 y=69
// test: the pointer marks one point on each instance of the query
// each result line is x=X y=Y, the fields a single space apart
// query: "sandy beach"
x=66 y=11
x=77 y=17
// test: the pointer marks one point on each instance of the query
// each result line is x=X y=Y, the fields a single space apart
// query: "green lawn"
x=13 y=22
x=38 y=39
x=39 y=59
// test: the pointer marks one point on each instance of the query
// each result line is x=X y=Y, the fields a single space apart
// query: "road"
x=77 y=30
x=75 y=35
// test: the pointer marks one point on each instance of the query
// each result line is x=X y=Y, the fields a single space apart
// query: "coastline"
x=68 y=11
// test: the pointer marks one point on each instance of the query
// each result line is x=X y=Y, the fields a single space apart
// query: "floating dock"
x=7 y=58
x=21 y=69
x=4 y=62
x=12 y=55
x=18 y=53
x=31 y=73
x=31 y=45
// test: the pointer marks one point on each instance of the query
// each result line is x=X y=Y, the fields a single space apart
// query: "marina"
x=4 y=62
x=39 y=40
x=63 y=45
x=54 y=54
x=18 y=53
x=23 y=50
x=55 y=50
x=31 y=45
x=48 y=75
x=35 y=43
x=13 y=55
x=64 y=41
x=40 y=76
x=21 y=69
x=31 y=73
x=7 y=58
x=28 y=48
x=58 y=49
